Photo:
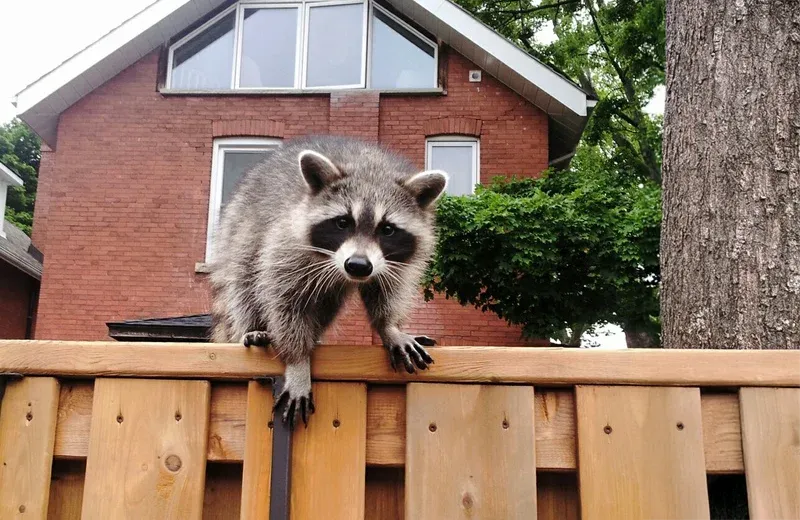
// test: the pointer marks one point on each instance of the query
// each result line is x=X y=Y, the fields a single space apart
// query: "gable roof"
x=9 y=177
x=566 y=104
x=17 y=250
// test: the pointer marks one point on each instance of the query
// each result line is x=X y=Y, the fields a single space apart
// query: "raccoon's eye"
x=343 y=223
x=387 y=230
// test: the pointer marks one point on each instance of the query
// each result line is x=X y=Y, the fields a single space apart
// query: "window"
x=459 y=157
x=400 y=56
x=303 y=44
x=204 y=61
x=335 y=45
x=232 y=157
x=269 y=47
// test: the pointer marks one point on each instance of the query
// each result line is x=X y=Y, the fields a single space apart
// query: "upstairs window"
x=459 y=157
x=307 y=44
x=231 y=158
x=401 y=57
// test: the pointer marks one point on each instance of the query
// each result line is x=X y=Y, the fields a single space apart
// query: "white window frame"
x=364 y=41
x=301 y=65
x=395 y=18
x=222 y=145
x=199 y=30
x=443 y=141
x=237 y=56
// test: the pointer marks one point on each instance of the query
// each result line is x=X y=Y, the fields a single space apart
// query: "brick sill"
x=202 y=268
x=300 y=92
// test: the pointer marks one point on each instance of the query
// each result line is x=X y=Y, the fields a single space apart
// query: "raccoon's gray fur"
x=320 y=218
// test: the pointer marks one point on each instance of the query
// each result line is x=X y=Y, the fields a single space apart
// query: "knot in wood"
x=432 y=427
x=173 y=463
x=467 y=501
x=607 y=430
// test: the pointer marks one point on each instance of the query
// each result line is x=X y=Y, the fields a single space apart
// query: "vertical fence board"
x=557 y=496
x=223 y=493
x=771 y=444
x=257 y=452
x=384 y=494
x=329 y=457
x=470 y=452
x=640 y=453
x=27 y=435
x=147 y=449
x=66 y=489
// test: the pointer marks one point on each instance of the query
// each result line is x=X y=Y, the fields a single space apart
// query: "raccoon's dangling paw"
x=409 y=351
x=257 y=338
x=294 y=405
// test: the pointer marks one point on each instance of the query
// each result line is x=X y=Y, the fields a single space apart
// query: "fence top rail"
x=541 y=366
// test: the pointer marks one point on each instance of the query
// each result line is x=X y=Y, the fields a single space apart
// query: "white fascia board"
x=96 y=52
x=506 y=52
x=8 y=177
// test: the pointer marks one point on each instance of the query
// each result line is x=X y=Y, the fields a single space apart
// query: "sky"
x=29 y=30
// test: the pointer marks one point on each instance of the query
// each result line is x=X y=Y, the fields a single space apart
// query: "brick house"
x=147 y=130
x=20 y=271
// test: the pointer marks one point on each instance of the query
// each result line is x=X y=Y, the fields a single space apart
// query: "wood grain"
x=557 y=496
x=554 y=414
x=329 y=457
x=226 y=423
x=554 y=411
x=386 y=425
x=27 y=434
x=542 y=366
x=771 y=442
x=66 y=490
x=641 y=453
x=384 y=494
x=470 y=452
x=722 y=433
x=74 y=419
x=258 y=452
x=147 y=449
x=223 y=491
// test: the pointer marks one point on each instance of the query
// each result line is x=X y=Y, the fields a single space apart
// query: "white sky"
x=39 y=35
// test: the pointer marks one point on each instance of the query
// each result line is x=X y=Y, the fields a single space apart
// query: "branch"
x=623 y=77
x=532 y=9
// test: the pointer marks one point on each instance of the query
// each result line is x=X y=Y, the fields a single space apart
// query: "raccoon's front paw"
x=409 y=351
x=257 y=338
x=294 y=405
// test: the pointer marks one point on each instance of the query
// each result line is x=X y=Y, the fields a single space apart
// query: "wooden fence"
x=101 y=430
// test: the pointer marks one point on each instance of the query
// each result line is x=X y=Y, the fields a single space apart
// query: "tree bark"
x=730 y=240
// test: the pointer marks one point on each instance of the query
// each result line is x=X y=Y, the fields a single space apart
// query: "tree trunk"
x=639 y=339
x=730 y=241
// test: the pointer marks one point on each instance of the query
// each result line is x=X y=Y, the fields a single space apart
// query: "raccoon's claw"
x=425 y=341
x=256 y=339
x=304 y=405
x=410 y=352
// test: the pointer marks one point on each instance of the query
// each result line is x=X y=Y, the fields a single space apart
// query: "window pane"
x=335 y=45
x=235 y=164
x=206 y=61
x=400 y=59
x=269 y=45
x=457 y=162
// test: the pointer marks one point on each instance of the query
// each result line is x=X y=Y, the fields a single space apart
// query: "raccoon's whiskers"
x=315 y=249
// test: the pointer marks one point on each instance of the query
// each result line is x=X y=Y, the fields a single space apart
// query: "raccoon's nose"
x=358 y=266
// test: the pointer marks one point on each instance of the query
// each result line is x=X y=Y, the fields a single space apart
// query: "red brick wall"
x=15 y=296
x=123 y=201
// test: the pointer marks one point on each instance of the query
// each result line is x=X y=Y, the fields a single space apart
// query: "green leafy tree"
x=20 y=151
x=614 y=50
x=570 y=250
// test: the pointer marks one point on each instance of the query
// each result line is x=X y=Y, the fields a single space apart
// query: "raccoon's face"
x=368 y=227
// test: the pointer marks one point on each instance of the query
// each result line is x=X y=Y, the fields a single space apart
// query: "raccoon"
x=320 y=218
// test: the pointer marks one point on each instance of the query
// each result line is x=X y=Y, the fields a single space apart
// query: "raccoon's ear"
x=427 y=186
x=318 y=171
